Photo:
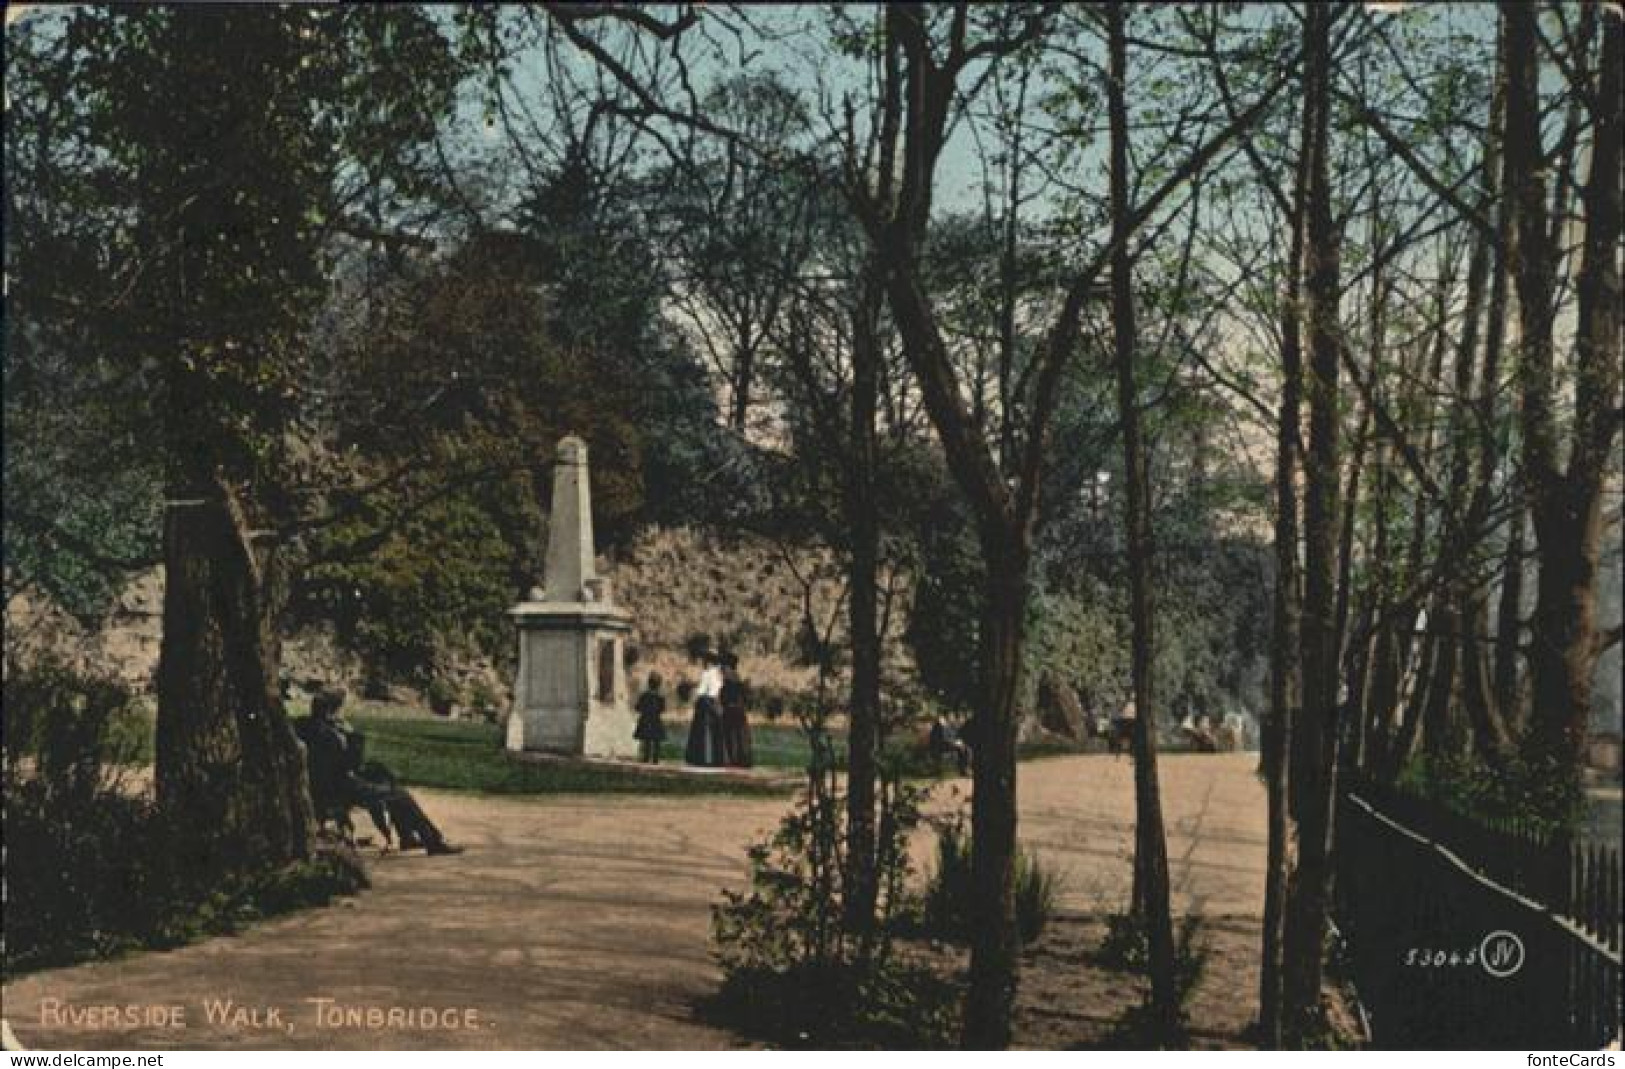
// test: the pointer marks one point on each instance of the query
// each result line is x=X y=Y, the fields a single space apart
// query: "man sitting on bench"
x=339 y=779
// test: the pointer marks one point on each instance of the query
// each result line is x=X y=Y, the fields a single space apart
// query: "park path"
x=583 y=921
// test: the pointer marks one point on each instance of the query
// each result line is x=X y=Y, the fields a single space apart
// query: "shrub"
x=777 y=701
x=948 y=895
x=426 y=567
x=948 y=909
x=1127 y=947
x=485 y=702
x=795 y=971
x=903 y=1005
x=697 y=645
x=443 y=696
x=1037 y=888
x=1530 y=791
x=94 y=867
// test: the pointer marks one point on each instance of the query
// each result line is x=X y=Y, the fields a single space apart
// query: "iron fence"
x=1462 y=935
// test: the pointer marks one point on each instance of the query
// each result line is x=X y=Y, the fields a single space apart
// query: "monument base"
x=571 y=695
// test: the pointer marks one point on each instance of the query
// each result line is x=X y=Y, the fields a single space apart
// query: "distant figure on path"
x=339 y=779
x=1123 y=728
x=944 y=741
x=705 y=732
x=734 y=697
x=1199 y=733
x=651 y=732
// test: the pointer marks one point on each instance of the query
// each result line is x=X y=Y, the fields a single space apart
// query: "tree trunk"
x=1377 y=669
x=1150 y=841
x=1509 y=625
x=862 y=605
x=1440 y=737
x=1414 y=702
x=1357 y=673
x=227 y=763
x=1381 y=699
x=229 y=773
x=1345 y=537
x=1567 y=504
x=744 y=381
x=1494 y=430
x=1490 y=739
x=995 y=943
x=1284 y=642
x=1469 y=498
x=1314 y=734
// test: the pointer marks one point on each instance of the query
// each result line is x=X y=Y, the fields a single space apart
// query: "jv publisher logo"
x=1501 y=953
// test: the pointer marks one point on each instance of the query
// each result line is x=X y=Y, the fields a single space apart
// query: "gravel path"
x=583 y=922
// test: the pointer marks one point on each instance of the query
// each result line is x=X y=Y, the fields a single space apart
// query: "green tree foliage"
x=166 y=230
x=449 y=402
x=592 y=247
x=211 y=149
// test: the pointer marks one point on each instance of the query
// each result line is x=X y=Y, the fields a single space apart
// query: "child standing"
x=651 y=732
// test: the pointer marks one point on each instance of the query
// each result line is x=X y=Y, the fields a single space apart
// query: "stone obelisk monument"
x=570 y=695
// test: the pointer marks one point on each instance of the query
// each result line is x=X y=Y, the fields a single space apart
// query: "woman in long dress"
x=705 y=731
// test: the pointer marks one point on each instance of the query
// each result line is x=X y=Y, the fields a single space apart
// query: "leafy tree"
x=212 y=147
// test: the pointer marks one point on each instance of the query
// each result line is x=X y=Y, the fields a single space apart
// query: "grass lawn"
x=466 y=756
x=779 y=745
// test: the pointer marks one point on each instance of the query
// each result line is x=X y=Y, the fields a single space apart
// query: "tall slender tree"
x=1564 y=494
x=1150 y=840
x=1314 y=734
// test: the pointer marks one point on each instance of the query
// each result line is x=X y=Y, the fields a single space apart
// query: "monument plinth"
x=570 y=695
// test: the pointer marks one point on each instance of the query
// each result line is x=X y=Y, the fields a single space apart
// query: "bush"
x=485 y=701
x=1037 y=888
x=948 y=910
x=696 y=646
x=905 y=1005
x=1531 y=792
x=410 y=580
x=443 y=696
x=93 y=867
x=776 y=701
x=796 y=972
x=1127 y=947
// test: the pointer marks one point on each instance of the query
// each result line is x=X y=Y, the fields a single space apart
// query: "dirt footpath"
x=584 y=922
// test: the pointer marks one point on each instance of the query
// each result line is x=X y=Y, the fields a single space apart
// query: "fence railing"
x=1466 y=936
x=1574 y=878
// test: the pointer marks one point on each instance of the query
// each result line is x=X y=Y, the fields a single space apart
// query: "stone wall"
x=743 y=592
x=123 y=645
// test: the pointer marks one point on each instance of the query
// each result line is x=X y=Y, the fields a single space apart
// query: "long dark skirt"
x=736 y=737
x=705 y=734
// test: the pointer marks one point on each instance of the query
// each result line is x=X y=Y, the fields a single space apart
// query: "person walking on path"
x=1123 y=729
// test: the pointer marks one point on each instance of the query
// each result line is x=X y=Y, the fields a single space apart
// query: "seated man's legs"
x=410 y=821
x=371 y=797
x=415 y=826
x=380 y=820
